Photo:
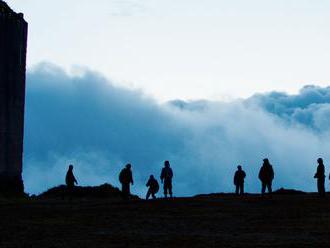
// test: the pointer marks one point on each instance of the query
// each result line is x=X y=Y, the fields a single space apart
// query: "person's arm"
x=162 y=176
x=260 y=174
x=66 y=179
x=317 y=172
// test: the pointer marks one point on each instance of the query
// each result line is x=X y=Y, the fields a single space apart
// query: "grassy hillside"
x=203 y=221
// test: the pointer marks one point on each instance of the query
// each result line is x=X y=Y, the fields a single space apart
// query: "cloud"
x=309 y=108
x=87 y=121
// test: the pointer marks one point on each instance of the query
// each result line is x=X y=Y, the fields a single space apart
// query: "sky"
x=206 y=85
x=97 y=126
x=186 y=49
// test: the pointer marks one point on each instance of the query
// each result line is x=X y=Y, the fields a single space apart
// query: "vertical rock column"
x=13 y=42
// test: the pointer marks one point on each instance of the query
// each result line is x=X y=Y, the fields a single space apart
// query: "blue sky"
x=184 y=49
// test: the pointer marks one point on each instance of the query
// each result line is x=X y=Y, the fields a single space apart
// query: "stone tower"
x=13 y=42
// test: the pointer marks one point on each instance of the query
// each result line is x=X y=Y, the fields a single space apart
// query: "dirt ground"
x=208 y=221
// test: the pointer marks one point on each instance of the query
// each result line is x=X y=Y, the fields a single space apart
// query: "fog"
x=86 y=120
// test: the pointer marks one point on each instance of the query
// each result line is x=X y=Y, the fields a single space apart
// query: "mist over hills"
x=88 y=121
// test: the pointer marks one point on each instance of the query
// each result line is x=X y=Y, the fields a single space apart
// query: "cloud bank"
x=87 y=121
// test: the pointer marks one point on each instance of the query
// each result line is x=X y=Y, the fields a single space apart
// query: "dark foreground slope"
x=205 y=221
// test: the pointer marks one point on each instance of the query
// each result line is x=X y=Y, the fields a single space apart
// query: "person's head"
x=128 y=166
x=152 y=177
x=266 y=161
x=320 y=160
x=70 y=167
x=239 y=167
x=167 y=163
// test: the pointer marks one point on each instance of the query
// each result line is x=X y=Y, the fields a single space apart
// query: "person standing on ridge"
x=126 y=179
x=320 y=176
x=70 y=181
x=239 y=180
x=166 y=178
x=153 y=187
x=266 y=176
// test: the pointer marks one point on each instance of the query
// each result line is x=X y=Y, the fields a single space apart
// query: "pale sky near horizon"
x=187 y=49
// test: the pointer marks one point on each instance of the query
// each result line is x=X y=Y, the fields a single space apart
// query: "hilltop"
x=295 y=220
x=104 y=191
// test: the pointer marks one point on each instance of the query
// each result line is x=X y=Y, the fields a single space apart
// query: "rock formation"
x=13 y=42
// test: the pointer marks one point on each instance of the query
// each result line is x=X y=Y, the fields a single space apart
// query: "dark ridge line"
x=110 y=192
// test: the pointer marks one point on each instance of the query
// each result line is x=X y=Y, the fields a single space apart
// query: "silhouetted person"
x=166 y=178
x=266 y=176
x=126 y=179
x=239 y=180
x=153 y=187
x=70 y=181
x=320 y=176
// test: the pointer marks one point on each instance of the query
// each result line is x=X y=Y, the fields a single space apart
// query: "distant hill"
x=102 y=191
x=283 y=191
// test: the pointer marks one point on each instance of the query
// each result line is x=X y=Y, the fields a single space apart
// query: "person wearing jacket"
x=166 y=179
x=70 y=181
x=126 y=179
x=266 y=176
x=320 y=176
x=153 y=187
x=239 y=180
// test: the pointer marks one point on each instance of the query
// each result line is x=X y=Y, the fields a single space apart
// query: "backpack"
x=156 y=189
x=122 y=176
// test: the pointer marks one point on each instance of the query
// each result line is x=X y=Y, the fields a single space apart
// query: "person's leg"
x=170 y=189
x=148 y=194
x=323 y=188
x=153 y=195
x=320 y=186
x=269 y=187
x=69 y=191
x=125 y=191
x=263 y=188
x=237 y=189
x=128 y=189
x=242 y=189
x=165 y=190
